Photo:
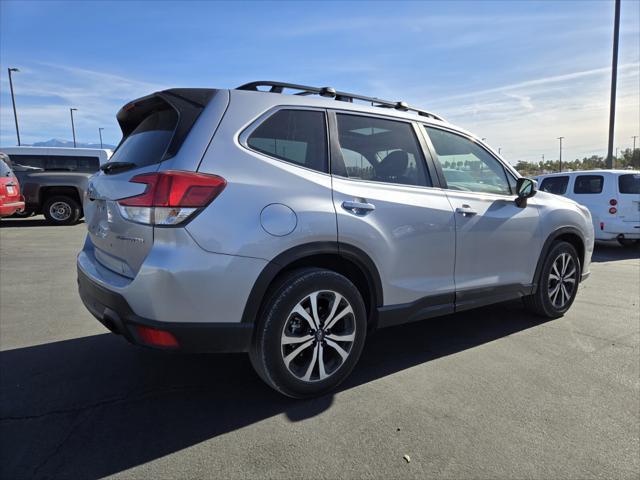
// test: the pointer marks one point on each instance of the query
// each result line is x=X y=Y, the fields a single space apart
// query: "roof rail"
x=329 y=92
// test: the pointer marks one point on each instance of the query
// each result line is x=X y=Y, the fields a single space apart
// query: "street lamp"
x=560 y=138
x=73 y=127
x=634 y=143
x=484 y=138
x=100 y=133
x=13 y=101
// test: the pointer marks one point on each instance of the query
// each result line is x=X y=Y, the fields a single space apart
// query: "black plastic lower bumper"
x=113 y=311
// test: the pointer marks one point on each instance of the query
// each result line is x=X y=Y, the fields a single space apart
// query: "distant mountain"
x=57 y=142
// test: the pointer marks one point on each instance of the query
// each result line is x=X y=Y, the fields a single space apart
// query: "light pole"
x=499 y=150
x=614 y=80
x=73 y=127
x=560 y=138
x=13 y=101
x=100 y=133
x=634 y=143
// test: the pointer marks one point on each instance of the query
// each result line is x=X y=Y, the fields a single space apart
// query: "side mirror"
x=525 y=188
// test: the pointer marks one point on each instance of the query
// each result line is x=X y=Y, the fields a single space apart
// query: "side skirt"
x=438 y=305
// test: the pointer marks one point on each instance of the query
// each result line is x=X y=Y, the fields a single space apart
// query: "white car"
x=612 y=197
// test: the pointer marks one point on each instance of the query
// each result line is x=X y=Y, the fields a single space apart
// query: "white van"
x=612 y=197
x=85 y=160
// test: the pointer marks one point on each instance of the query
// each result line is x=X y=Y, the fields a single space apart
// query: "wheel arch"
x=568 y=234
x=342 y=258
x=67 y=191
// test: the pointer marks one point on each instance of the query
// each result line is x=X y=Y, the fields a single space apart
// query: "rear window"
x=588 y=184
x=84 y=164
x=5 y=171
x=629 y=183
x=296 y=136
x=555 y=185
x=148 y=142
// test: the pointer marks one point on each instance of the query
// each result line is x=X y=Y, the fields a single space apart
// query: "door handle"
x=466 y=211
x=358 y=208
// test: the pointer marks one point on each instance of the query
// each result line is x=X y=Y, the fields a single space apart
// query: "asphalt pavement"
x=491 y=393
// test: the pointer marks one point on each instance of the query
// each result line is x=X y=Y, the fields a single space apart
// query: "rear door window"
x=588 y=184
x=555 y=185
x=380 y=150
x=295 y=136
x=629 y=183
x=149 y=141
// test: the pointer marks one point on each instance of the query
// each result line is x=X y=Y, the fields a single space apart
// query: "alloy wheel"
x=318 y=335
x=562 y=280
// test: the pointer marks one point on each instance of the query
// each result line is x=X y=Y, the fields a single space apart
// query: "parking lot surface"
x=492 y=393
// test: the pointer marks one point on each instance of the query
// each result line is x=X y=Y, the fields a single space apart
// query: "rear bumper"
x=7 y=209
x=612 y=228
x=113 y=311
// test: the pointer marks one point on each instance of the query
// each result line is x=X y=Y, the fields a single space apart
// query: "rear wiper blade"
x=111 y=167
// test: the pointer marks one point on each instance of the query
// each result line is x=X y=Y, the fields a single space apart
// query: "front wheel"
x=62 y=210
x=558 y=282
x=311 y=334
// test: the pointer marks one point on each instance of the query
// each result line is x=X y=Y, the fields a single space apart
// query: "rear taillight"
x=157 y=338
x=613 y=210
x=170 y=197
x=613 y=202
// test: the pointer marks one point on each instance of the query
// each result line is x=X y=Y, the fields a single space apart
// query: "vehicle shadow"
x=95 y=406
x=612 y=251
x=37 y=221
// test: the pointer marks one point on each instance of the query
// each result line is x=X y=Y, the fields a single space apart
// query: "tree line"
x=627 y=159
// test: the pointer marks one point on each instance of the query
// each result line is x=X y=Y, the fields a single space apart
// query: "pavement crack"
x=130 y=397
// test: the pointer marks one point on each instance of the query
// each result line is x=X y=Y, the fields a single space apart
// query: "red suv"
x=10 y=199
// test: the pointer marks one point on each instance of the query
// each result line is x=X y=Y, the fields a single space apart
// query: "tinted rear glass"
x=150 y=139
x=588 y=184
x=629 y=183
x=296 y=136
x=555 y=185
x=82 y=164
x=5 y=171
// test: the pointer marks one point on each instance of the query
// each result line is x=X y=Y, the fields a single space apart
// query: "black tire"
x=628 y=242
x=268 y=350
x=61 y=210
x=542 y=301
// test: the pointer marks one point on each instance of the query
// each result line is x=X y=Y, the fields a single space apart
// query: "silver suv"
x=292 y=225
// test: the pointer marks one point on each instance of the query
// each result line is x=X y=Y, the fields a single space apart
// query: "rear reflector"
x=601 y=225
x=613 y=202
x=613 y=210
x=157 y=338
x=170 y=197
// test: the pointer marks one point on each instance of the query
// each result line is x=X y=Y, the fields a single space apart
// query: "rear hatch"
x=153 y=130
x=9 y=186
x=629 y=197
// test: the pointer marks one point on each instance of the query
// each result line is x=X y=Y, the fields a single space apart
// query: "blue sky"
x=519 y=73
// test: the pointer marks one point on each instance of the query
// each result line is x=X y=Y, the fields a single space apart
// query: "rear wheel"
x=311 y=334
x=558 y=282
x=61 y=210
